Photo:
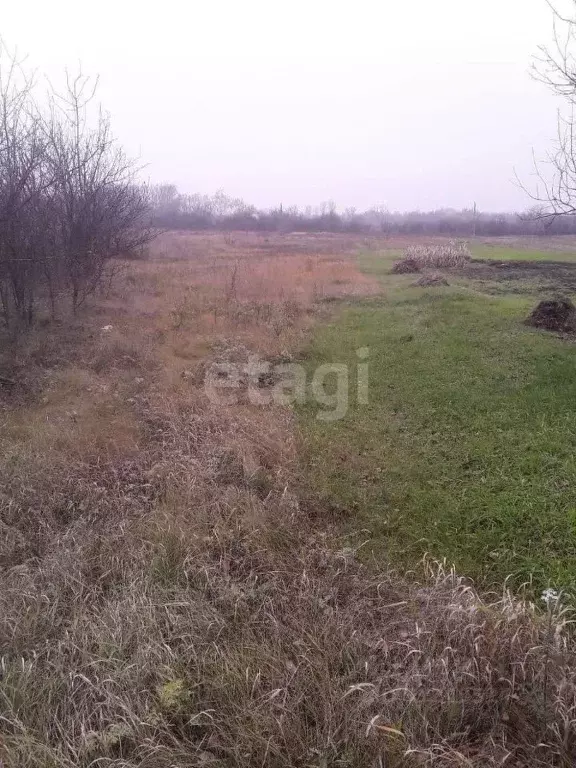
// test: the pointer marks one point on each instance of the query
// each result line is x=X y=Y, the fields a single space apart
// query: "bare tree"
x=99 y=206
x=69 y=197
x=23 y=180
x=555 y=66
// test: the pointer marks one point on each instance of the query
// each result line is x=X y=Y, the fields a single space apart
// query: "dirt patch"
x=554 y=315
x=520 y=276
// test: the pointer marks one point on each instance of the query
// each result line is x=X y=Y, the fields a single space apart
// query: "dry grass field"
x=173 y=592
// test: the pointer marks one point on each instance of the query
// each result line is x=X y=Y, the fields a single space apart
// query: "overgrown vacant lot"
x=467 y=448
x=178 y=591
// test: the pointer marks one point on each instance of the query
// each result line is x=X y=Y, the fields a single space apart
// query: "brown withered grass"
x=455 y=253
x=172 y=596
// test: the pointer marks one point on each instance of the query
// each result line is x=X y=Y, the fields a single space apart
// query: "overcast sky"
x=406 y=103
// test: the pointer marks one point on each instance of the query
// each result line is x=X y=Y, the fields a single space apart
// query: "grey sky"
x=407 y=103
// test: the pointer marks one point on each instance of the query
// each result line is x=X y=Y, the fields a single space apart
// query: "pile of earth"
x=554 y=315
x=405 y=266
x=432 y=279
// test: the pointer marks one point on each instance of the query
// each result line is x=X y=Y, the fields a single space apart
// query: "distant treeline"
x=174 y=210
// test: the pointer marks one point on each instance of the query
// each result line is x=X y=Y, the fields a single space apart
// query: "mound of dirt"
x=405 y=266
x=554 y=315
x=430 y=280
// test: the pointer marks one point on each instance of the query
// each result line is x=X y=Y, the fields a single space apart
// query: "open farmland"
x=196 y=584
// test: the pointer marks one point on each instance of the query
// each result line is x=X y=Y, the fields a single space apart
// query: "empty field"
x=195 y=583
x=288 y=385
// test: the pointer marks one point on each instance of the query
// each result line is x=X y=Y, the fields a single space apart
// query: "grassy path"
x=467 y=447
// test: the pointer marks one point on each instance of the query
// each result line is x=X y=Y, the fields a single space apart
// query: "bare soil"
x=521 y=276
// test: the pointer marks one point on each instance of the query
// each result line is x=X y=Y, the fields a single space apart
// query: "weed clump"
x=454 y=254
x=418 y=257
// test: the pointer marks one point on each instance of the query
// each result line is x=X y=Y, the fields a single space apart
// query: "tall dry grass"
x=173 y=595
x=455 y=253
